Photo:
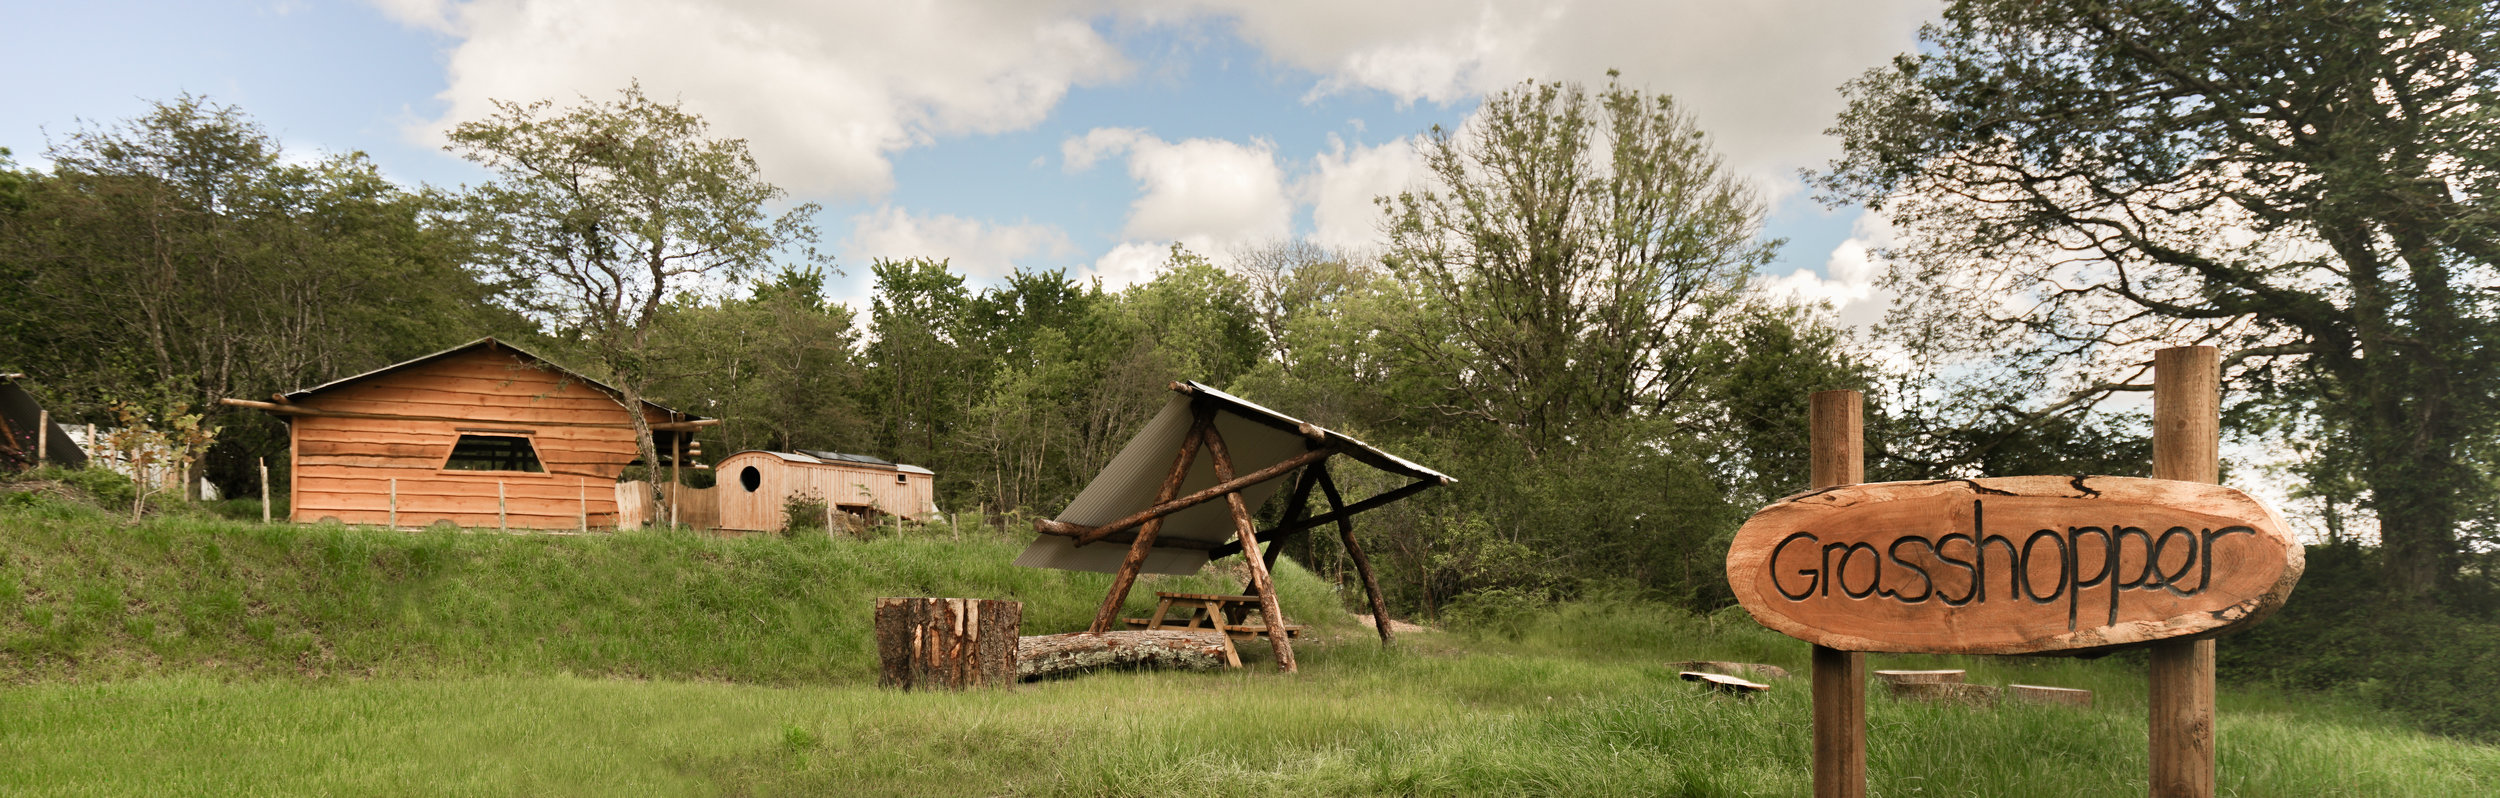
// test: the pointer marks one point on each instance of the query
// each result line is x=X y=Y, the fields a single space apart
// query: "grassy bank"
x=84 y=596
x=199 y=656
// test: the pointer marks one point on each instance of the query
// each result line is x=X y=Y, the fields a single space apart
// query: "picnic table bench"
x=1220 y=614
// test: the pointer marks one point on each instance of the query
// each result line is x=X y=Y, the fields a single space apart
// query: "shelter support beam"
x=1226 y=485
x=1362 y=563
x=1335 y=515
x=1266 y=585
x=1145 y=542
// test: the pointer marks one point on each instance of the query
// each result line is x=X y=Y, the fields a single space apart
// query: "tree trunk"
x=946 y=643
x=642 y=441
x=1046 y=656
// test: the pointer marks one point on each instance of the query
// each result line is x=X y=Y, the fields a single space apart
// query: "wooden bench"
x=1209 y=613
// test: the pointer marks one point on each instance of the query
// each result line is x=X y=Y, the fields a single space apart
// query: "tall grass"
x=83 y=596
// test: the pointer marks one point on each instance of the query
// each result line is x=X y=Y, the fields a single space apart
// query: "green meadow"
x=200 y=656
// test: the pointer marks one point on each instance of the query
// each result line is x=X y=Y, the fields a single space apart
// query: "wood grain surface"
x=2012 y=565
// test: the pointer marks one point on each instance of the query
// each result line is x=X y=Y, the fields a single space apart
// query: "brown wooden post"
x=581 y=490
x=2187 y=436
x=1839 y=676
x=1362 y=563
x=264 y=490
x=394 y=502
x=503 y=521
x=676 y=480
x=1274 y=615
x=1145 y=542
x=43 y=436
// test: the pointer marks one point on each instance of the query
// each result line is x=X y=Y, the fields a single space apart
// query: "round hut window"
x=750 y=478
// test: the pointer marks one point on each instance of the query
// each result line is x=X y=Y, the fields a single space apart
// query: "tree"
x=604 y=213
x=1575 y=254
x=183 y=251
x=2308 y=185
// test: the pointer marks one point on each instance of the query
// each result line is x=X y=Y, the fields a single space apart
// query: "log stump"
x=2050 y=695
x=1048 y=656
x=949 y=643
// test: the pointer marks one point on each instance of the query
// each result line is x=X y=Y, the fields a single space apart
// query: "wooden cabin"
x=755 y=486
x=482 y=435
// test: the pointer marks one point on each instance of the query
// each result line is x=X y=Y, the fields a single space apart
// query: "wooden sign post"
x=2187 y=440
x=1839 y=458
x=2022 y=565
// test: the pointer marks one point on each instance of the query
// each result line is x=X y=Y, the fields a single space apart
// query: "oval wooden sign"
x=2012 y=565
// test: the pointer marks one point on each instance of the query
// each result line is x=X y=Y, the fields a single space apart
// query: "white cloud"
x=1849 y=276
x=1202 y=192
x=1344 y=183
x=823 y=92
x=974 y=248
x=1762 y=76
x=1129 y=264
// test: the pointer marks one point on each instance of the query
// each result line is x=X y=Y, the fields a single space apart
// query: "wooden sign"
x=2012 y=565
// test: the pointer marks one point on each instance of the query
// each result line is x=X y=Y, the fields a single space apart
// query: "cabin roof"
x=817 y=457
x=486 y=343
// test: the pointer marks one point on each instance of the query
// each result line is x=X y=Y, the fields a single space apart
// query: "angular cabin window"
x=493 y=453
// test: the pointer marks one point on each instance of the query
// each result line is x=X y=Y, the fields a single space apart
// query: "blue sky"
x=1079 y=134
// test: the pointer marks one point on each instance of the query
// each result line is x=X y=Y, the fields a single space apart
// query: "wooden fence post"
x=503 y=522
x=581 y=490
x=394 y=502
x=43 y=435
x=2187 y=434
x=264 y=490
x=1839 y=676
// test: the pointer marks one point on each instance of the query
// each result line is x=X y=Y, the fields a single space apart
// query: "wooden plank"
x=2037 y=694
x=1836 y=458
x=1354 y=549
x=2013 y=565
x=2187 y=424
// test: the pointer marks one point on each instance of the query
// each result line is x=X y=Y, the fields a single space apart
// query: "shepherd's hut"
x=757 y=486
x=480 y=435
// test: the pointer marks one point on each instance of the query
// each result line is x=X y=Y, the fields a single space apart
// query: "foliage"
x=2433 y=665
x=2307 y=185
x=1569 y=288
x=186 y=248
x=604 y=213
x=157 y=442
x=102 y=487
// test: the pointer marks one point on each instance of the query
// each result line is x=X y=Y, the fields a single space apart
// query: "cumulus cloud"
x=1344 y=184
x=1761 y=75
x=1208 y=192
x=973 y=247
x=1849 y=277
x=823 y=92
x=1130 y=263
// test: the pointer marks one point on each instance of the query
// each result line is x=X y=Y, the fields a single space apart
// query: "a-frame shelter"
x=1180 y=494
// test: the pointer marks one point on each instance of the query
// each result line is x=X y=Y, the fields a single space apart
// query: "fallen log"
x=1046 y=656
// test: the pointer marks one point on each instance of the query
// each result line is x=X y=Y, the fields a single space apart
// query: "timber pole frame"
x=1362 y=563
x=1839 y=458
x=1263 y=582
x=1202 y=422
x=2187 y=423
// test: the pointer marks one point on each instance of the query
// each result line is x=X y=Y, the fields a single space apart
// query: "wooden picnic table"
x=1212 y=613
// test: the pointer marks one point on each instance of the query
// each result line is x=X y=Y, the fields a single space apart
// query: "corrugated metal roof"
x=1256 y=437
x=814 y=457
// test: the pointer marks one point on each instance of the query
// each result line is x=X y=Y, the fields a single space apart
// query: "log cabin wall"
x=851 y=486
x=344 y=466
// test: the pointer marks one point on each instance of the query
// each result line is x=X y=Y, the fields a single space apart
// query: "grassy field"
x=207 y=657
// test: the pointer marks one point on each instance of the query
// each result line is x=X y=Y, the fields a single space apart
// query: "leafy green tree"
x=604 y=213
x=1576 y=249
x=780 y=367
x=921 y=374
x=182 y=250
x=2308 y=185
